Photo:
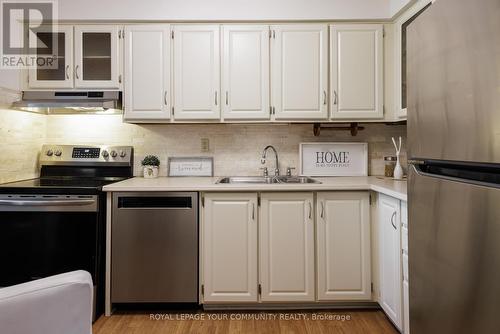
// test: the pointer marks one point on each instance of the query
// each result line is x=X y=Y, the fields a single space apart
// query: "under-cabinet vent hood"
x=70 y=102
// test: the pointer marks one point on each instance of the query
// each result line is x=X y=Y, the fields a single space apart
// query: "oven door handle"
x=77 y=202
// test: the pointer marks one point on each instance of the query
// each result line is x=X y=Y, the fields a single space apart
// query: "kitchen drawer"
x=404 y=239
x=405 y=267
x=404 y=213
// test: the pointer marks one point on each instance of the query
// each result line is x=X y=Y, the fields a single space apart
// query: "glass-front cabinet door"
x=54 y=52
x=97 y=57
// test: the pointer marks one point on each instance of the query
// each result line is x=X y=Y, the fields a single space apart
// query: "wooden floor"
x=362 y=322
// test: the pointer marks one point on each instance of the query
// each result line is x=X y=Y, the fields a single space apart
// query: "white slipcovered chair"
x=60 y=304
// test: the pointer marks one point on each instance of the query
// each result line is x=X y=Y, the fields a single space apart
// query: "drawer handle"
x=253 y=211
x=324 y=97
x=310 y=210
x=76 y=71
x=392 y=220
x=322 y=210
x=215 y=98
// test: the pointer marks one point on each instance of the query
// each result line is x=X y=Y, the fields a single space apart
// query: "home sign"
x=334 y=159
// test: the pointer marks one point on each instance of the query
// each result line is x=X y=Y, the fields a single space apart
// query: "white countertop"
x=380 y=184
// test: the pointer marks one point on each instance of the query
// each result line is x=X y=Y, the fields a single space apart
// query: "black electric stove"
x=56 y=223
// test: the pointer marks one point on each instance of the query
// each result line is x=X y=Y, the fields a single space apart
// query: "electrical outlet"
x=205 y=145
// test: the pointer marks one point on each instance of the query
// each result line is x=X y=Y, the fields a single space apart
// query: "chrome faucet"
x=263 y=159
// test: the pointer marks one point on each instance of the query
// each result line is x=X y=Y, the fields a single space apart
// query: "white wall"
x=397 y=5
x=224 y=9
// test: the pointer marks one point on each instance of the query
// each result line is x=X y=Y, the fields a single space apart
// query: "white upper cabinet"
x=147 y=72
x=343 y=246
x=390 y=258
x=97 y=56
x=356 y=71
x=58 y=41
x=245 y=72
x=196 y=72
x=400 y=59
x=230 y=247
x=286 y=244
x=300 y=71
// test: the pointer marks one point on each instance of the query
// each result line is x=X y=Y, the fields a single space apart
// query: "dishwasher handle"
x=155 y=202
x=70 y=202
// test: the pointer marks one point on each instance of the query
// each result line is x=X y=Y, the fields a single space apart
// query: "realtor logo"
x=29 y=37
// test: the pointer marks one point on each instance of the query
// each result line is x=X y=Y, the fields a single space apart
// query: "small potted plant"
x=150 y=165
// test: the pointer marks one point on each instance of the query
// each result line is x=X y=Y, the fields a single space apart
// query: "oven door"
x=44 y=235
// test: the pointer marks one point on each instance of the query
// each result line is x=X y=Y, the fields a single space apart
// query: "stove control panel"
x=86 y=155
x=86 y=152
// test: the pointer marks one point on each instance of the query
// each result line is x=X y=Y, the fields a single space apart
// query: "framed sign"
x=190 y=166
x=334 y=159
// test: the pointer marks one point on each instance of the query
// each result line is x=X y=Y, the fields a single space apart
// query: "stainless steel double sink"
x=266 y=180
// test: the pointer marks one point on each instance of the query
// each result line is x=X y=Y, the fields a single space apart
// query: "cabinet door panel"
x=56 y=41
x=147 y=72
x=97 y=57
x=356 y=71
x=245 y=72
x=287 y=247
x=300 y=71
x=196 y=72
x=390 y=257
x=343 y=246
x=230 y=247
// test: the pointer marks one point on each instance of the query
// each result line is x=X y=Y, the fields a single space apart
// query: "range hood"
x=70 y=102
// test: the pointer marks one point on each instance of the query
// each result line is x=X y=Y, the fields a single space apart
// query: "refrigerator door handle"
x=484 y=179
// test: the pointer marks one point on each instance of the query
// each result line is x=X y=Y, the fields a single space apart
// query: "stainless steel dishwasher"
x=154 y=247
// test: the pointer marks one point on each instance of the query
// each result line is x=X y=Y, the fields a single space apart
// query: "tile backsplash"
x=236 y=148
x=22 y=135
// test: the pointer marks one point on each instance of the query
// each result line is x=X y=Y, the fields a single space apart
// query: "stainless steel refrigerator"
x=453 y=59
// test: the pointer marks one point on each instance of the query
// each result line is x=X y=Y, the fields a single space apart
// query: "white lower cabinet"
x=286 y=237
x=266 y=250
x=343 y=246
x=389 y=217
x=230 y=247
